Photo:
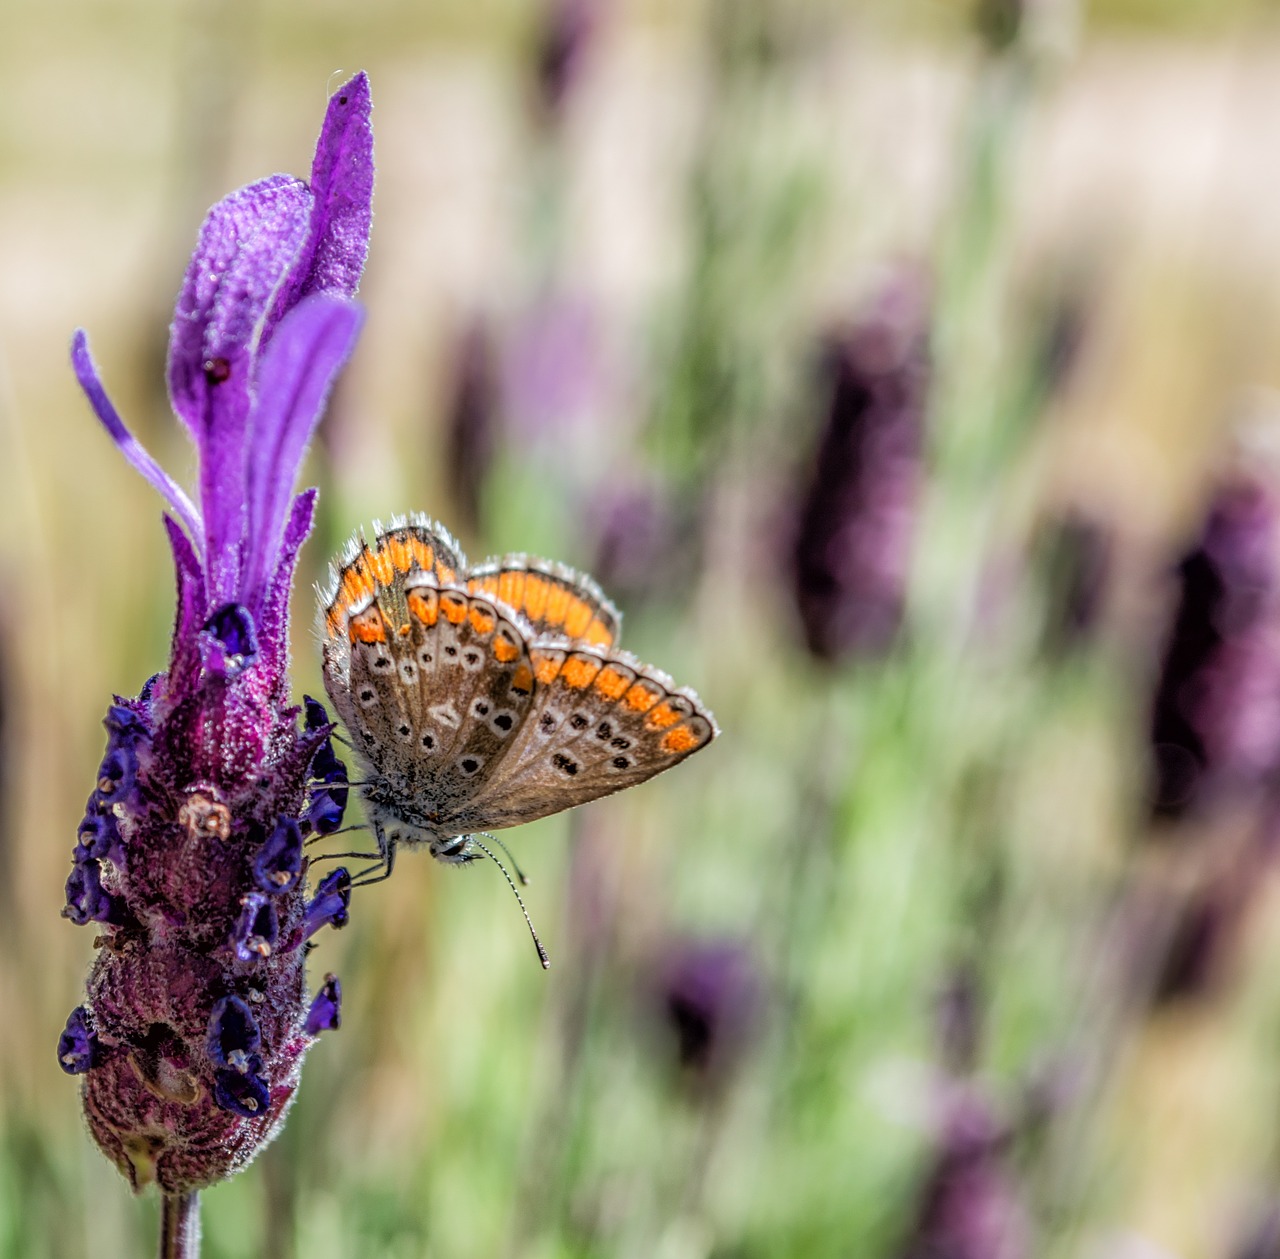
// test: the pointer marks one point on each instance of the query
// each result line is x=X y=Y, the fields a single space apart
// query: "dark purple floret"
x=471 y=425
x=257 y=930
x=563 y=45
x=1215 y=722
x=329 y=905
x=970 y=1206
x=190 y=852
x=857 y=518
x=278 y=865
x=326 y=811
x=229 y=640
x=77 y=1046
x=325 y=1014
x=87 y=899
x=98 y=835
x=710 y=994
x=245 y=1095
x=234 y=1035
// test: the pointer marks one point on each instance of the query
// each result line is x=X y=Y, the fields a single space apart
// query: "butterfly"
x=478 y=698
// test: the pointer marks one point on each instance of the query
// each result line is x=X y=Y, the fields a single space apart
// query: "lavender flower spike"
x=189 y=861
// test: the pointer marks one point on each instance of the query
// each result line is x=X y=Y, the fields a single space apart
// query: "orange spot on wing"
x=546 y=666
x=368 y=627
x=511 y=589
x=598 y=634
x=557 y=605
x=401 y=554
x=454 y=607
x=578 y=671
x=537 y=590
x=445 y=574
x=612 y=684
x=681 y=739
x=662 y=717
x=422 y=553
x=481 y=621
x=505 y=651
x=355 y=585
x=380 y=565
x=641 y=697
x=425 y=605
x=578 y=616
x=522 y=679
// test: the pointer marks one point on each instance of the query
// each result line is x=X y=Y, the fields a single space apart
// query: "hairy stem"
x=180 y=1226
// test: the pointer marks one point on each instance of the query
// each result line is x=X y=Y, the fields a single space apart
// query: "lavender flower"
x=970 y=1205
x=709 y=994
x=857 y=520
x=564 y=40
x=1215 y=722
x=190 y=855
x=472 y=420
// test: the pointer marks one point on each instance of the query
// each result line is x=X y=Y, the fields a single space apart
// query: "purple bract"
x=190 y=858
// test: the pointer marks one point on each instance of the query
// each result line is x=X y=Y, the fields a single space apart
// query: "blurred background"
x=908 y=373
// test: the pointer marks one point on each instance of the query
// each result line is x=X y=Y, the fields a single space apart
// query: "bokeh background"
x=907 y=371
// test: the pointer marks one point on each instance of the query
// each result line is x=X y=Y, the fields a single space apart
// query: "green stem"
x=180 y=1226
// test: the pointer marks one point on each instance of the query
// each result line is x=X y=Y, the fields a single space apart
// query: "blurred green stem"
x=180 y=1226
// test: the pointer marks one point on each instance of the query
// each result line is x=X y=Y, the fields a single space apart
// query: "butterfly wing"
x=439 y=683
x=600 y=721
x=552 y=598
x=368 y=570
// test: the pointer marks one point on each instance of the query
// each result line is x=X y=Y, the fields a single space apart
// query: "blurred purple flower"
x=192 y=1038
x=471 y=426
x=643 y=542
x=1215 y=721
x=857 y=521
x=969 y=1206
x=553 y=378
x=564 y=40
x=1262 y=1239
x=709 y=996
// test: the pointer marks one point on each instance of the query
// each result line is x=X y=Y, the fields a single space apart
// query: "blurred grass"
x=969 y=801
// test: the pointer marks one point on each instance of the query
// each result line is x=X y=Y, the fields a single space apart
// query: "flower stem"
x=180 y=1226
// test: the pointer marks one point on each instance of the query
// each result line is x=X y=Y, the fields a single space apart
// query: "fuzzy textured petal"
x=309 y=348
x=342 y=184
x=247 y=248
x=87 y=374
x=274 y=622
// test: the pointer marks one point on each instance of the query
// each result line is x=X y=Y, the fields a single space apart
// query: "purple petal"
x=87 y=374
x=243 y=1095
x=325 y=1014
x=273 y=627
x=247 y=246
x=228 y=641
x=77 y=1046
x=296 y=373
x=278 y=864
x=185 y=660
x=342 y=183
x=257 y=930
x=234 y=1035
x=330 y=904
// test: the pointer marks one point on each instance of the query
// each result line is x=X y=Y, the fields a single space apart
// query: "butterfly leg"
x=386 y=861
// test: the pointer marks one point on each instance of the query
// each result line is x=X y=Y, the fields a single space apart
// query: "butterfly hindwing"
x=600 y=721
x=552 y=598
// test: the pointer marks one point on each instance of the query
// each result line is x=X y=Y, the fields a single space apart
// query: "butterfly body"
x=480 y=698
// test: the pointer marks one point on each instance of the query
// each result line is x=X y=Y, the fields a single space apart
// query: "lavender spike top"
x=191 y=857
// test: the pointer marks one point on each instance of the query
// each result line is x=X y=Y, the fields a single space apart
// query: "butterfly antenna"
x=515 y=891
x=524 y=882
